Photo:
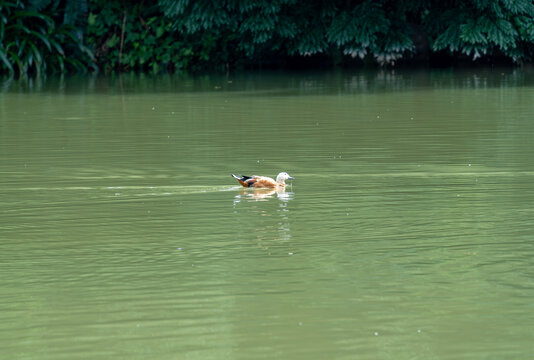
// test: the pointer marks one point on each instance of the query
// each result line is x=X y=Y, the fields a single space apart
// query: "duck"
x=264 y=181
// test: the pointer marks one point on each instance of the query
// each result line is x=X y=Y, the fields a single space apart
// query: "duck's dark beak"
x=291 y=178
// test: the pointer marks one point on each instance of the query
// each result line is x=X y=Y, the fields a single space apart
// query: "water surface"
x=407 y=233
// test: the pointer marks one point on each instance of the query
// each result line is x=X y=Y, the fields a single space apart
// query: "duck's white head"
x=282 y=177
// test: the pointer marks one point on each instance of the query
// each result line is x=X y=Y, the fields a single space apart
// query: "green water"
x=408 y=232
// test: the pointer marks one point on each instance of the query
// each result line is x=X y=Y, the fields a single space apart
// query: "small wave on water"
x=138 y=190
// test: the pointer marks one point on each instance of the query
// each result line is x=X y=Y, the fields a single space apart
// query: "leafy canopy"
x=383 y=29
x=58 y=35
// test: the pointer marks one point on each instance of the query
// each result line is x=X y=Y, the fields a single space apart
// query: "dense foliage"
x=38 y=36
x=59 y=35
x=134 y=37
x=386 y=30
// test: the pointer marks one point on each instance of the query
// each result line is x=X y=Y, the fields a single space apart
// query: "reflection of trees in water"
x=267 y=217
x=327 y=83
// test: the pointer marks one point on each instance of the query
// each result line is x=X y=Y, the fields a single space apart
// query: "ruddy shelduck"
x=264 y=181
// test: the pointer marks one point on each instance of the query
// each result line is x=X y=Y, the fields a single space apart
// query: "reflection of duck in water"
x=264 y=181
x=265 y=194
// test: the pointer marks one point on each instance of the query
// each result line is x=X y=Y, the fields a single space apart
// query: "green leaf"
x=17 y=60
x=87 y=51
x=5 y=60
x=113 y=41
x=29 y=59
x=61 y=63
x=160 y=30
x=42 y=38
x=22 y=46
x=36 y=52
x=16 y=27
x=3 y=21
x=31 y=14
x=57 y=46
x=78 y=65
x=91 y=19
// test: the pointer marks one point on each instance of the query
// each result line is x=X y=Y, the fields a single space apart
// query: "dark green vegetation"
x=40 y=36
x=55 y=35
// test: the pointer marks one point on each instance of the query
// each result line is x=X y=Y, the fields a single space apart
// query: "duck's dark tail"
x=242 y=179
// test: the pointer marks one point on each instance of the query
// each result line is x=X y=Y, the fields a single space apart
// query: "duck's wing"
x=246 y=181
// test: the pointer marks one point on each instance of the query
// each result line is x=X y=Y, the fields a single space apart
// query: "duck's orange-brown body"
x=257 y=181
x=262 y=181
